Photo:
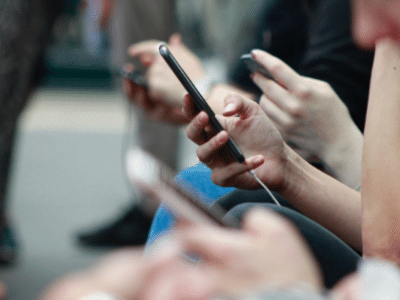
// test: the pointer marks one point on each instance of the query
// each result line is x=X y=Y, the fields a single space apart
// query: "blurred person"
x=130 y=22
x=258 y=266
x=25 y=28
x=25 y=31
x=361 y=286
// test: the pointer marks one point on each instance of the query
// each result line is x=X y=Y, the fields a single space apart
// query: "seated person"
x=227 y=254
x=336 y=145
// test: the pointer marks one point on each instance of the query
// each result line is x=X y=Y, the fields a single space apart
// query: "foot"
x=131 y=229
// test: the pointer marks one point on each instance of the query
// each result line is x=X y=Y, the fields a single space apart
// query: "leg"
x=336 y=258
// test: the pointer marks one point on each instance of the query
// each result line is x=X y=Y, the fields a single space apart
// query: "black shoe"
x=131 y=229
x=8 y=246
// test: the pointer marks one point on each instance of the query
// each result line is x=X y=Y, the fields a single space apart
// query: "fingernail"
x=229 y=107
x=258 y=160
x=254 y=52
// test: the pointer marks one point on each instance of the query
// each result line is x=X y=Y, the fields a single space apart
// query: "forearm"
x=323 y=199
x=381 y=158
x=344 y=156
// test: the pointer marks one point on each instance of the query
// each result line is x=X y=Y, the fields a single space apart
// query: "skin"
x=385 y=17
x=309 y=114
x=232 y=263
x=316 y=194
x=378 y=23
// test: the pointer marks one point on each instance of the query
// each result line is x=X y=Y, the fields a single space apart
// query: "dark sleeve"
x=282 y=31
x=333 y=57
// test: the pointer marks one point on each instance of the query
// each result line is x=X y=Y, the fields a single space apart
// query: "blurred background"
x=67 y=171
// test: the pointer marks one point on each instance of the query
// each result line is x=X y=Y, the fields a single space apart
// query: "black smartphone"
x=156 y=181
x=254 y=66
x=135 y=77
x=198 y=98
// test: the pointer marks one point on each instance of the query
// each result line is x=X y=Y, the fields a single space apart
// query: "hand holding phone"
x=198 y=98
x=254 y=66
x=136 y=78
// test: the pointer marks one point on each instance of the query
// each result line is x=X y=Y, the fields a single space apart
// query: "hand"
x=127 y=274
x=165 y=91
x=117 y=274
x=268 y=251
x=255 y=135
x=307 y=112
x=153 y=108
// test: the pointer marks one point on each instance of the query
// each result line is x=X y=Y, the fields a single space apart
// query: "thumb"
x=236 y=104
x=175 y=39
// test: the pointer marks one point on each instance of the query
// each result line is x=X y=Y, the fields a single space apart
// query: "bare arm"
x=325 y=200
x=381 y=158
x=316 y=194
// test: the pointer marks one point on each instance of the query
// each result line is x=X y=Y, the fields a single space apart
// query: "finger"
x=189 y=107
x=134 y=92
x=147 y=59
x=277 y=94
x=281 y=72
x=178 y=116
x=236 y=104
x=230 y=174
x=275 y=113
x=150 y=46
x=175 y=39
x=207 y=150
x=128 y=67
x=212 y=243
x=263 y=221
x=195 y=129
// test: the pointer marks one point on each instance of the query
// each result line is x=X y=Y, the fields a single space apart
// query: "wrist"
x=343 y=157
x=292 y=172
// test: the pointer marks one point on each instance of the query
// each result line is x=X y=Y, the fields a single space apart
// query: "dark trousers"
x=335 y=258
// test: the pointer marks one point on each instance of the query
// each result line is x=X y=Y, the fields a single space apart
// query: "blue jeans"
x=197 y=179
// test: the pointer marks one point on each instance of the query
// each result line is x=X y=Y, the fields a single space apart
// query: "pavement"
x=68 y=175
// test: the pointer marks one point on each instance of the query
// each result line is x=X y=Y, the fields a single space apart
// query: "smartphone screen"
x=156 y=181
x=198 y=98
x=254 y=66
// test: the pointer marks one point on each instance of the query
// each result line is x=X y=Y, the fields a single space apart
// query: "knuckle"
x=289 y=124
x=296 y=110
x=189 y=133
x=200 y=155
x=216 y=178
x=303 y=92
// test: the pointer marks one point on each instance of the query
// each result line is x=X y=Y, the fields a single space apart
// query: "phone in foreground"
x=198 y=98
x=254 y=66
x=156 y=181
